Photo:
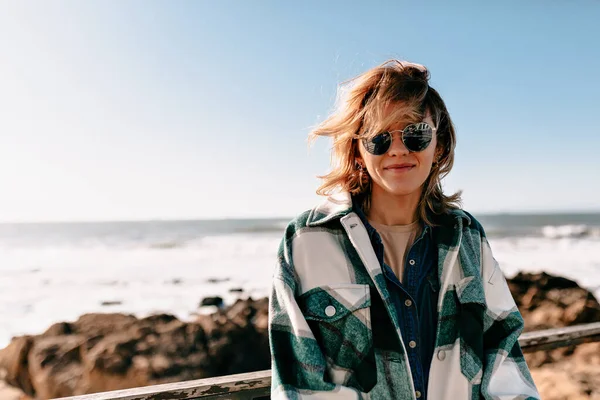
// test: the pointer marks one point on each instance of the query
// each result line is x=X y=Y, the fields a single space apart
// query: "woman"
x=388 y=290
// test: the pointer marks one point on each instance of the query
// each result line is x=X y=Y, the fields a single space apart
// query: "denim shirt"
x=415 y=299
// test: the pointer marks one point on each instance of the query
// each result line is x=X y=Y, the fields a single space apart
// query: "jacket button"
x=441 y=355
x=412 y=262
x=418 y=394
x=408 y=303
x=412 y=344
x=330 y=311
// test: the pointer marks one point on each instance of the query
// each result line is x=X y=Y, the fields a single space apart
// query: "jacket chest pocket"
x=340 y=318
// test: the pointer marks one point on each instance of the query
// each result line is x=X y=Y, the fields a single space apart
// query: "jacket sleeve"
x=298 y=366
x=505 y=374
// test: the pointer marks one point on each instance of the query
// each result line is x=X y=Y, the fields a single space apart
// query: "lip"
x=399 y=167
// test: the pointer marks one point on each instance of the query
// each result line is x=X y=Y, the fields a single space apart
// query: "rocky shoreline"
x=101 y=352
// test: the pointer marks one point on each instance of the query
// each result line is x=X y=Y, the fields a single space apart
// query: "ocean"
x=52 y=272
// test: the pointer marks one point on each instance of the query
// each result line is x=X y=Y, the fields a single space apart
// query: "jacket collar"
x=334 y=207
x=340 y=204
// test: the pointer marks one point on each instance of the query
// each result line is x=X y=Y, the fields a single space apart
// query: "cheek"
x=428 y=159
x=429 y=154
x=373 y=163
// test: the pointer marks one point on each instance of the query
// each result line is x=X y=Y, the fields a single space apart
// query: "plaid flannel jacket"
x=334 y=331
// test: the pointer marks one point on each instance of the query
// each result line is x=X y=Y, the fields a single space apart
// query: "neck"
x=389 y=209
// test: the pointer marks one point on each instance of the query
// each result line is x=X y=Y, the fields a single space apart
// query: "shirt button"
x=418 y=394
x=412 y=344
x=441 y=355
x=408 y=303
x=330 y=311
x=412 y=262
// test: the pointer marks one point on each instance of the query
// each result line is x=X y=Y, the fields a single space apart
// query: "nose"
x=397 y=148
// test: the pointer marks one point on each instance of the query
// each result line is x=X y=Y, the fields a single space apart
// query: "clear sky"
x=201 y=109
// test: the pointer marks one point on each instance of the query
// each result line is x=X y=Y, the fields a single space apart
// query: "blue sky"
x=113 y=110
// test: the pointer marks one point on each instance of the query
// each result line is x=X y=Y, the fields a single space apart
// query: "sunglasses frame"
x=402 y=132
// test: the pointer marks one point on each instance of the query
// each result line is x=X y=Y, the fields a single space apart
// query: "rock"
x=14 y=363
x=60 y=328
x=101 y=352
x=217 y=280
x=212 y=301
x=547 y=301
x=233 y=341
x=8 y=392
x=111 y=303
x=55 y=366
x=99 y=324
x=109 y=364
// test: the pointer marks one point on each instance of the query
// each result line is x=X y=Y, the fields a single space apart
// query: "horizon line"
x=276 y=217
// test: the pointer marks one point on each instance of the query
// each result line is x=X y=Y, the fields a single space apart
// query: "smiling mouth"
x=400 y=169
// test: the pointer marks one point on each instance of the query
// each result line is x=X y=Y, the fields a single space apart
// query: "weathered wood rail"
x=256 y=385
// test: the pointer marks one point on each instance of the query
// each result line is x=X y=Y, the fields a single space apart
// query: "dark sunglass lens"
x=379 y=144
x=417 y=137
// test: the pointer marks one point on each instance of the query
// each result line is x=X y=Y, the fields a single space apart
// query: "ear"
x=359 y=161
x=439 y=152
x=357 y=156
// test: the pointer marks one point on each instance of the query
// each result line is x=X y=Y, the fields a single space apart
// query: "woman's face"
x=399 y=172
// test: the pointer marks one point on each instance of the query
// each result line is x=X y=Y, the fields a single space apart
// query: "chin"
x=404 y=190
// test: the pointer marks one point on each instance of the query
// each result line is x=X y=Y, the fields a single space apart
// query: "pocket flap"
x=332 y=302
x=470 y=290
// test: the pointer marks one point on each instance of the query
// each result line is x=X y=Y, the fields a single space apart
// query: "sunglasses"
x=416 y=137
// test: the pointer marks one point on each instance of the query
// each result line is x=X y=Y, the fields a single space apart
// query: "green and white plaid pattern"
x=334 y=331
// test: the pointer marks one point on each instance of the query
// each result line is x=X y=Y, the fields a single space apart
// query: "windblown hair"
x=360 y=114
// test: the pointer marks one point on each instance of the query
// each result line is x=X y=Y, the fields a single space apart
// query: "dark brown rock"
x=99 y=324
x=234 y=342
x=547 y=301
x=107 y=303
x=8 y=392
x=212 y=301
x=101 y=352
x=55 y=366
x=14 y=362
x=60 y=328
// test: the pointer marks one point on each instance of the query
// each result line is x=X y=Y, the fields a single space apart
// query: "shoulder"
x=469 y=222
x=474 y=223
x=314 y=255
x=323 y=217
x=301 y=230
x=459 y=226
x=298 y=223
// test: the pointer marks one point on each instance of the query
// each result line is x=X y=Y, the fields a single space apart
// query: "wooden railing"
x=256 y=385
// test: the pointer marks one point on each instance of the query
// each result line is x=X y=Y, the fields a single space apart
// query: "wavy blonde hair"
x=360 y=113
